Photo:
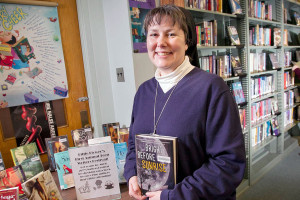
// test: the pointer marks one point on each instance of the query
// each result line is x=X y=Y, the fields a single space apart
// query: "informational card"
x=95 y=171
x=138 y=11
x=32 y=66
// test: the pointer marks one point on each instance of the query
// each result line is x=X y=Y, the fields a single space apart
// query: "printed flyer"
x=32 y=67
x=95 y=171
x=138 y=11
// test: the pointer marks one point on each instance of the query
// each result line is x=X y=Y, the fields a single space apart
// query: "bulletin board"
x=32 y=66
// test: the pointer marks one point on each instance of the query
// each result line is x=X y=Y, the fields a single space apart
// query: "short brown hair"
x=155 y=16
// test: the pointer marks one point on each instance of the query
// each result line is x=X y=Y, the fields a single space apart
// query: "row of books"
x=288 y=99
x=262 y=36
x=216 y=5
x=288 y=79
x=264 y=131
x=260 y=9
x=263 y=109
x=224 y=66
x=262 y=85
x=257 y=62
x=207 y=33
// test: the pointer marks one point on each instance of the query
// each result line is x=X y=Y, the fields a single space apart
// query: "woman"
x=191 y=104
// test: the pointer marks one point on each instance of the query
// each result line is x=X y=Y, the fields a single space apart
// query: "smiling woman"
x=192 y=105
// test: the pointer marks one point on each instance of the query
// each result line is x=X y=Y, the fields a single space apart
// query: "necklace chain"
x=155 y=123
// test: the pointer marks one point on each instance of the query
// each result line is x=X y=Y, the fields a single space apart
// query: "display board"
x=32 y=67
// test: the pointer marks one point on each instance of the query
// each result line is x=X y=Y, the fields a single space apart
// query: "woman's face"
x=166 y=45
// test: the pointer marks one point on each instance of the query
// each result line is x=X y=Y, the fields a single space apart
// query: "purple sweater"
x=204 y=116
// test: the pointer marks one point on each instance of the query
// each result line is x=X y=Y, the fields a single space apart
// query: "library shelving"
x=262 y=156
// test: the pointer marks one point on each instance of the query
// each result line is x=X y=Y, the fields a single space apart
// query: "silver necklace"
x=155 y=124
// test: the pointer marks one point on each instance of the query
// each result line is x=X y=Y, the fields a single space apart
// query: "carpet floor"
x=282 y=182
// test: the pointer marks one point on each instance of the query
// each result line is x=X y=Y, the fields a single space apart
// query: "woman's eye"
x=171 y=34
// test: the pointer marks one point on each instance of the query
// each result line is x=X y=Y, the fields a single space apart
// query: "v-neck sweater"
x=204 y=116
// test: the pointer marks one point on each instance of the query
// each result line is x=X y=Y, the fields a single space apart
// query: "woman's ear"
x=186 y=47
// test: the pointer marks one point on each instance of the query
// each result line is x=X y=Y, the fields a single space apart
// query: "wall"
x=106 y=40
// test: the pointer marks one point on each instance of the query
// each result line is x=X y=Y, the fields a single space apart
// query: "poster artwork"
x=33 y=123
x=32 y=67
x=138 y=11
x=95 y=171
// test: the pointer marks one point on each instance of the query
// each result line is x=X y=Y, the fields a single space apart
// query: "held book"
x=41 y=186
x=64 y=170
x=156 y=161
x=55 y=145
x=23 y=49
x=9 y=193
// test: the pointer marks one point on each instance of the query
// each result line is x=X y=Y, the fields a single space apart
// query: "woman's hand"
x=296 y=65
x=153 y=195
x=134 y=189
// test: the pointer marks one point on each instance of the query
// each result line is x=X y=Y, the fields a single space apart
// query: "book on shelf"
x=156 y=162
x=95 y=171
x=235 y=7
x=276 y=36
x=121 y=151
x=179 y=3
x=297 y=56
x=9 y=193
x=242 y=113
x=275 y=108
x=296 y=18
x=233 y=35
x=23 y=49
x=275 y=126
x=21 y=153
x=81 y=136
x=274 y=60
x=2 y=166
x=55 y=145
x=41 y=186
x=238 y=93
x=13 y=177
x=285 y=37
x=236 y=65
x=64 y=170
x=111 y=129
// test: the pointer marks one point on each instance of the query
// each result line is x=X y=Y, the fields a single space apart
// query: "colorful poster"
x=34 y=123
x=138 y=11
x=32 y=67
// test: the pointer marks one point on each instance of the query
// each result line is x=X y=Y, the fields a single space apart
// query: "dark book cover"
x=274 y=61
x=55 y=145
x=13 y=177
x=23 y=49
x=236 y=65
x=156 y=160
x=9 y=193
x=112 y=130
x=41 y=186
x=275 y=126
x=81 y=136
x=33 y=123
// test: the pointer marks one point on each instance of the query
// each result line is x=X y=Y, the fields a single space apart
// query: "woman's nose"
x=161 y=41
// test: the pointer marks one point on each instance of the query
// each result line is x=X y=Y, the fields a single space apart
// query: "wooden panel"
x=67 y=12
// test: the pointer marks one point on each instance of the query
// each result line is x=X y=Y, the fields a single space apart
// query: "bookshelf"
x=264 y=155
